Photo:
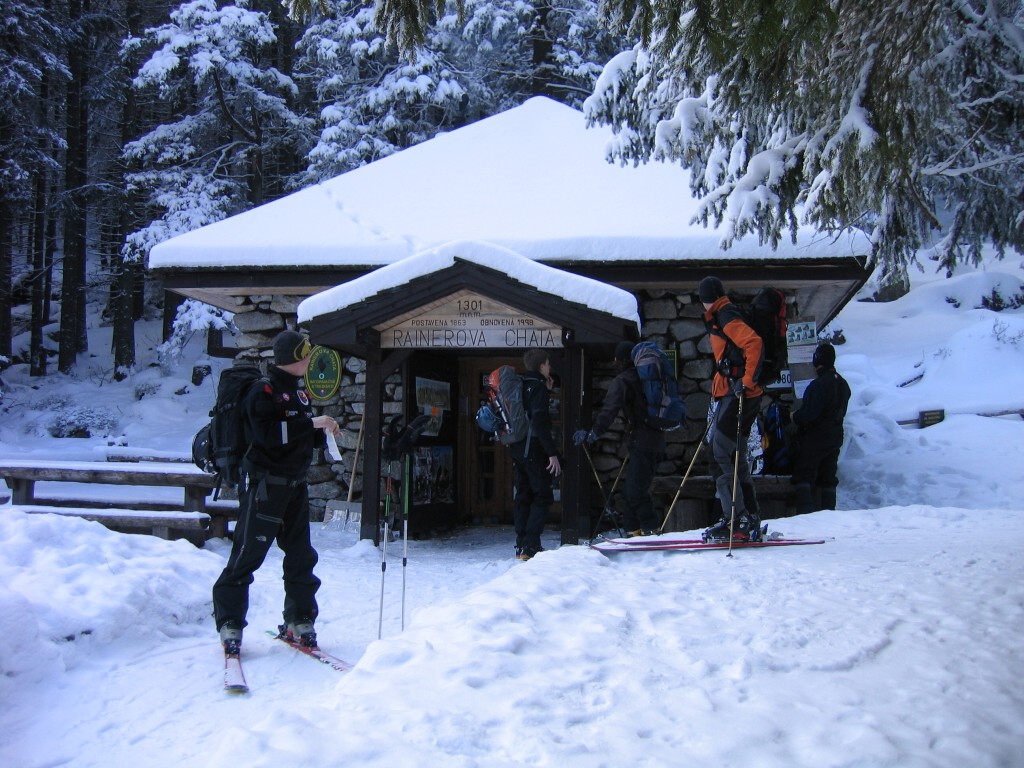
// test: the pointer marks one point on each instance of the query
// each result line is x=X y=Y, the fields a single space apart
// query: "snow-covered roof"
x=583 y=290
x=533 y=179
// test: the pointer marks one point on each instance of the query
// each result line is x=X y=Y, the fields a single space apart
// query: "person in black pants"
x=819 y=427
x=274 y=503
x=646 y=444
x=739 y=355
x=535 y=460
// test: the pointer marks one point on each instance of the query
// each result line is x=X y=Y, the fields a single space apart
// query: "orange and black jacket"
x=734 y=341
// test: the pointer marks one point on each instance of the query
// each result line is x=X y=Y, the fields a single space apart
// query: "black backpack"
x=766 y=315
x=218 y=448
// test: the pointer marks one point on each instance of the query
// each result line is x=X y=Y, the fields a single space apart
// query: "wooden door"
x=486 y=468
x=486 y=491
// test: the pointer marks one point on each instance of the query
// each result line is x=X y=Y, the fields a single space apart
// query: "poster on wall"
x=433 y=398
x=801 y=341
x=433 y=475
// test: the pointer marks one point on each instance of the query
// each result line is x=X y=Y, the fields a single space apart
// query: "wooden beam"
x=373 y=420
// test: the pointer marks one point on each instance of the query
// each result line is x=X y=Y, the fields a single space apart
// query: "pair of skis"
x=234 y=677
x=669 y=544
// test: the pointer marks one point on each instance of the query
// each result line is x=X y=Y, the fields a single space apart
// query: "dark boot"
x=828 y=498
x=804 y=499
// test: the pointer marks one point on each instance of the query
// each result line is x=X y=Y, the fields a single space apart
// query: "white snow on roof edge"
x=582 y=290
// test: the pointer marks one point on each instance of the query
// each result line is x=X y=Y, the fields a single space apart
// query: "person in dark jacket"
x=274 y=503
x=819 y=425
x=739 y=355
x=646 y=444
x=535 y=461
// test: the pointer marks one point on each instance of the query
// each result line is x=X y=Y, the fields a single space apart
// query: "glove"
x=791 y=430
x=582 y=434
x=737 y=387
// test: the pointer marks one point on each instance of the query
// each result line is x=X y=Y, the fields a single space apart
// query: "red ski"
x=314 y=653
x=661 y=544
x=234 y=680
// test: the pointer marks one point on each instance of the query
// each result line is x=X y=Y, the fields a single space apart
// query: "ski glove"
x=737 y=387
x=582 y=434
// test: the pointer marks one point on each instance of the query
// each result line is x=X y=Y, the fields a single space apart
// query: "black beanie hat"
x=824 y=356
x=290 y=347
x=710 y=290
x=624 y=351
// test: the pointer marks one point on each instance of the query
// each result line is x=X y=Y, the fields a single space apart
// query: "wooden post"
x=576 y=482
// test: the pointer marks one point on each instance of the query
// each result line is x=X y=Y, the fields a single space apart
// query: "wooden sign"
x=323 y=377
x=469 y=321
x=930 y=418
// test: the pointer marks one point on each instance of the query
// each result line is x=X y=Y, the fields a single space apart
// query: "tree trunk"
x=124 y=288
x=73 y=331
x=40 y=264
x=40 y=307
x=543 y=45
x=6 y=273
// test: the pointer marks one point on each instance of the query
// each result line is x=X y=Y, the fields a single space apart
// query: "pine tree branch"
x=227 y=110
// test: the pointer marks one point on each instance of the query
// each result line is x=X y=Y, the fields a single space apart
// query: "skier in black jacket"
x=534 y=466
x=646 y=444
x=274 y=505
x=819 y=425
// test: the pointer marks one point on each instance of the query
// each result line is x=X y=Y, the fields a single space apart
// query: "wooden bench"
x=220 y=512
x=21 y=477
x=166 y=524
x=697 y=508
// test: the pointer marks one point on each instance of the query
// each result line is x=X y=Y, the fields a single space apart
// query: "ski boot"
x=231 y=638
x=300 y=631
x=747 y=528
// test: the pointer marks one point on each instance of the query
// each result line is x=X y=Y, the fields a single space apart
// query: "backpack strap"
x=634 y=409
x=717 y=327
x=528 y=388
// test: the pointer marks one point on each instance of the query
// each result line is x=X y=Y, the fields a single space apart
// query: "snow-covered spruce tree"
x=30 y=66
x=902 y=119
x=191 y=317
x=489 y=57
x=231 y=121
x=371 y=103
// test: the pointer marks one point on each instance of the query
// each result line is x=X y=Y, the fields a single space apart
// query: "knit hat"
x=624 y=351
x=824 y=356
x=710 y=290
x=290 y=347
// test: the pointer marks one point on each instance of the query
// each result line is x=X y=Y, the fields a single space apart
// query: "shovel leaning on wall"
x=347 y=512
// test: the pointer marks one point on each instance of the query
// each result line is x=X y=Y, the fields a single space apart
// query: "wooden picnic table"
x=21 y=476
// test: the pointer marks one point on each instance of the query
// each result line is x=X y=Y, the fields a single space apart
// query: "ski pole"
x=607 y=497
x=675 y=498
x=384 y=550
x=735 y=469
x=611 y=495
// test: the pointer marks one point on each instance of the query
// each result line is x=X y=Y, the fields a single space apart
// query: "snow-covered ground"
x=893 y=644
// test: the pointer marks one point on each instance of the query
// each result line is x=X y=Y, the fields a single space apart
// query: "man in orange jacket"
x=739 y=354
